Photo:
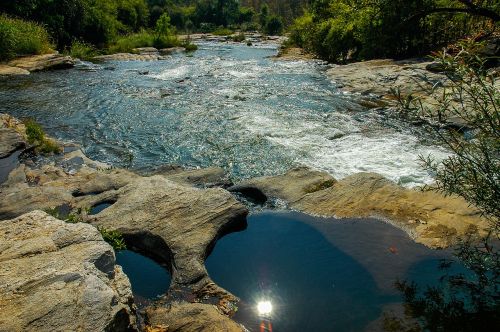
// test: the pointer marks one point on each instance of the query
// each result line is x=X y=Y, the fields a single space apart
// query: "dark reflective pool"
x=148 y=278
x=99 y=207
x=318 y=274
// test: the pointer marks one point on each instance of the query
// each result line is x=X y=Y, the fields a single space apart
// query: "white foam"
x=174 y=73
x=318 y=145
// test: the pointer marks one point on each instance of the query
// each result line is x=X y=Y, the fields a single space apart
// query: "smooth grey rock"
x=10 y=141
x=175 y=223
x=57 y=276
x=290 y=186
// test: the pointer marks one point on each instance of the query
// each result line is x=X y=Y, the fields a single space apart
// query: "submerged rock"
x=57 y=276
x=429 y=217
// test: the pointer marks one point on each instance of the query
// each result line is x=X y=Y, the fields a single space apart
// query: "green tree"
x=274 y=25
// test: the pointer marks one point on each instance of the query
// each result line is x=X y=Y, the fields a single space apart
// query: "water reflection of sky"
x=318 y=276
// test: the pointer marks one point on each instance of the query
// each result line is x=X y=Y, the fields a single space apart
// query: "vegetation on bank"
x=18 y=37
x=342 y=30
x=81 y=27
x=463 y=302
x=36 y=136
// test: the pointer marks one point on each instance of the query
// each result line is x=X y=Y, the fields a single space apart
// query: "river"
x=226 y=105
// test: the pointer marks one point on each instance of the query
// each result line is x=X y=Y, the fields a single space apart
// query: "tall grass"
x=143 y=38
x=82 y=50
x=19 y=37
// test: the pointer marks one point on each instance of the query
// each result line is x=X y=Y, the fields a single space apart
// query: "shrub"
x=114 y=238
x=19 y=37
x=222 y=32
x=239 y=37
x=34 y=131
x=36 y=136
x=274 y=25
x=82 y=50
x=125 y=44
x=190 y=47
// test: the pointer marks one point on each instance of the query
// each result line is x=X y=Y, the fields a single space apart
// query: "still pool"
x=318 y=274
x=149 y=280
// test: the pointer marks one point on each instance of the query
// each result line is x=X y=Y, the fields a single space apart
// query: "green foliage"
x=464 y=303
x=217 y=12
x=222 y=32
x=125 y=44
x=82 y=50
x=34 y=131
x=360 y=29
x=274 y=25
x=114 y=238
x=190 y=47
x=19 y=37
x=36 y=136
x=93 y=21
x=239 y=37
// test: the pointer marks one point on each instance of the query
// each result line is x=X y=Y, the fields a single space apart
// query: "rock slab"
x=57 y=276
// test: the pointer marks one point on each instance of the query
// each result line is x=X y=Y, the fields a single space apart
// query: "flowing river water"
x=226 y=105
x=235 y=107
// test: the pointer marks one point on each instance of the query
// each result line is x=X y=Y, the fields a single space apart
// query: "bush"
x=190 y=47
x=274 y=26
x=18 y=37
x=82 y=50
x=239 y=37
x=125 y=44
x=340 y=30
x=222 y=32
x=36 y=136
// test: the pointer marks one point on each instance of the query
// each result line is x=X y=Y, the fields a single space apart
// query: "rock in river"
x=57 y=276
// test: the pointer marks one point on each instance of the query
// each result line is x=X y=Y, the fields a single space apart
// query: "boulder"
x=57 y=276
x=10 y=141
x=43 y=62
x=189 y=317
x=51 y=186
x=378 y=77
x=172 y=50
x=145 y=50
x=174 y=223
